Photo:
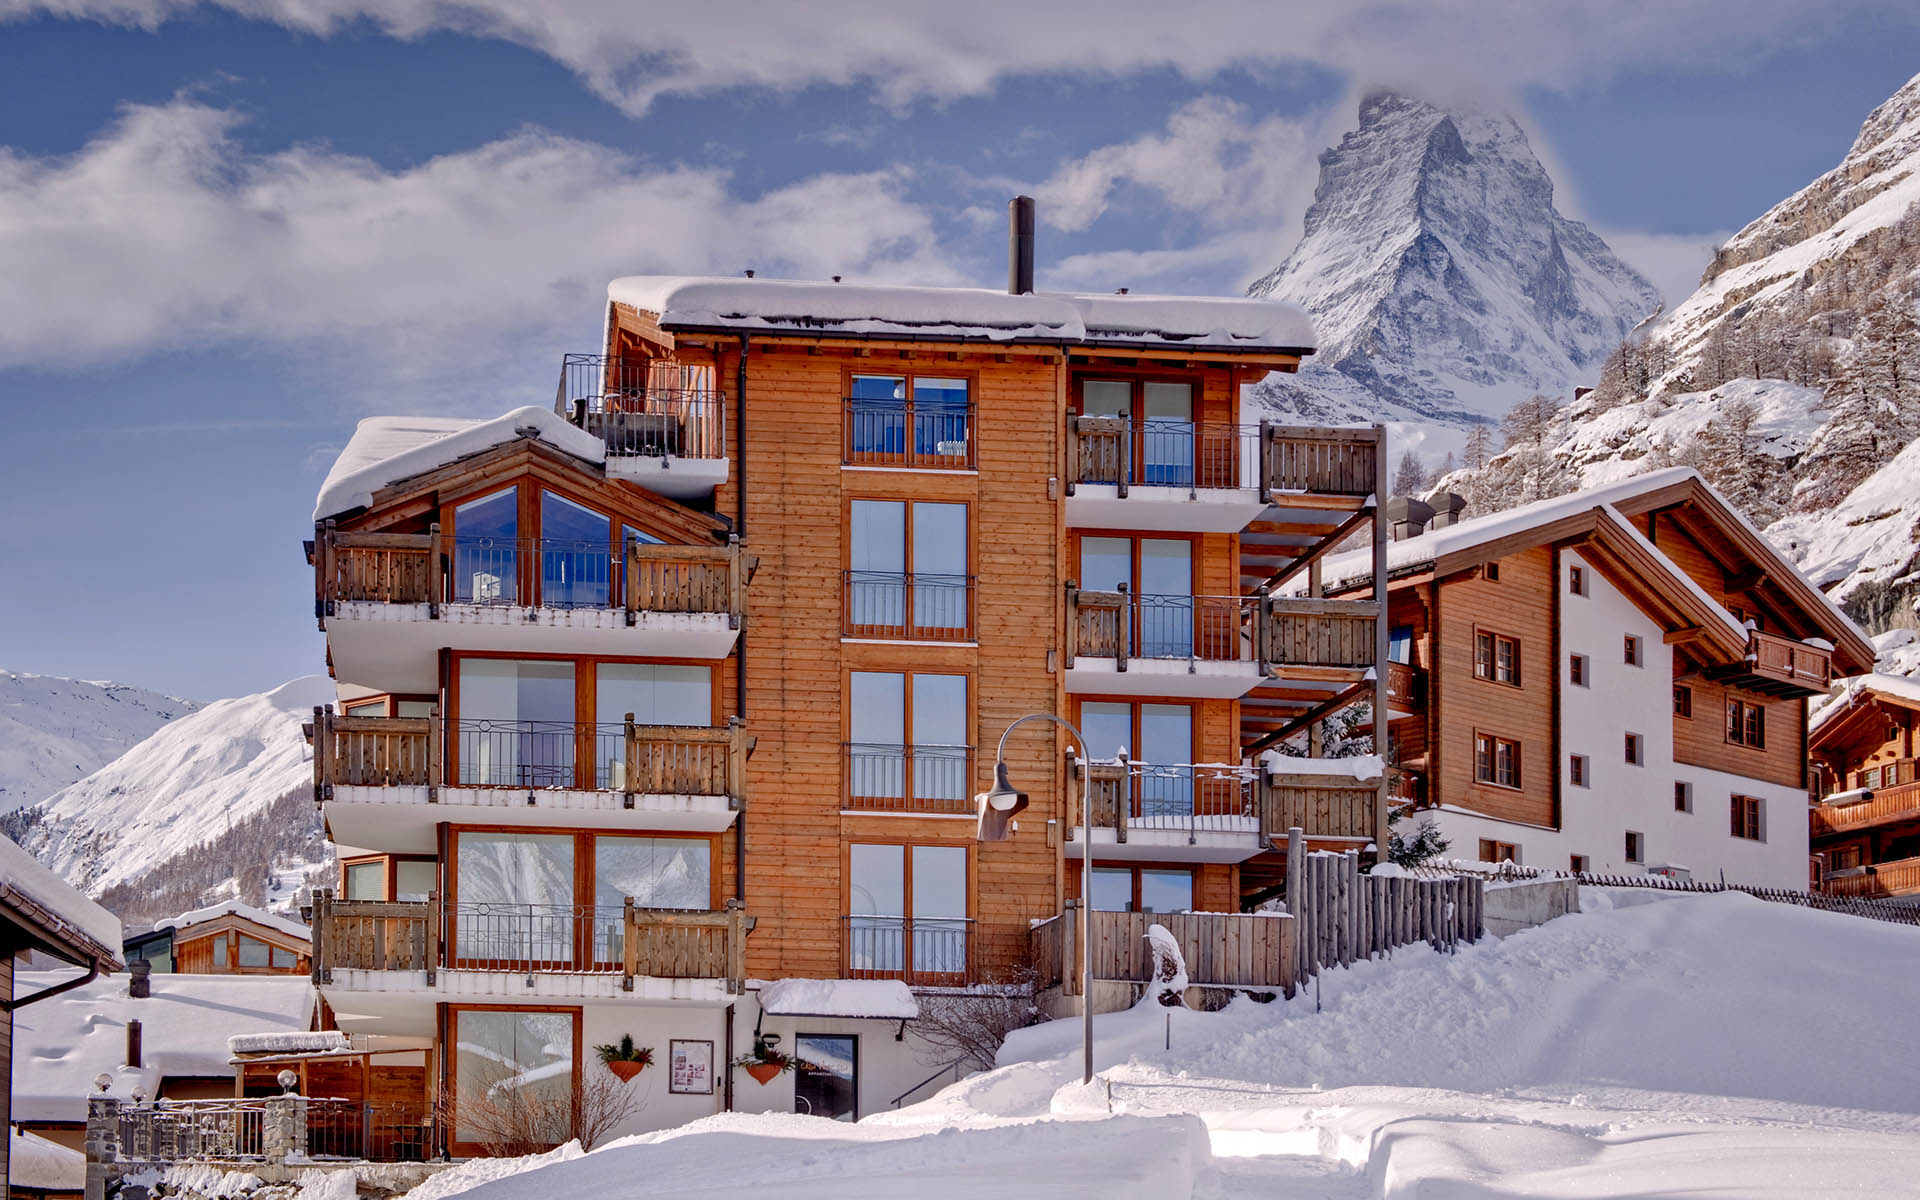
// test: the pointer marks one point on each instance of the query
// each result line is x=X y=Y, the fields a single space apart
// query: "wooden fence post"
x=737 y=750
x=1070 y=949
x=629 y=944
x=436 y=582
x=736 y=946
x=430 y=948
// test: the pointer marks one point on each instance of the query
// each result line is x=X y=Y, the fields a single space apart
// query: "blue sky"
x=228 y=237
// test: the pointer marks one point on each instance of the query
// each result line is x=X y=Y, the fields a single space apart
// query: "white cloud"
x=1672 y=262
x=1214 y=161
x=164 y=232
x=905 y=50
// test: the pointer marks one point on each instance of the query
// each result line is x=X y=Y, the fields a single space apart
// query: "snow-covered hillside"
x=1444 y=284
x=1654 y=1045
x=54 y=731
x=193 y=782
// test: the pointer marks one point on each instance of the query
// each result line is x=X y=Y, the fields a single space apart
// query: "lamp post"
x=998 y=806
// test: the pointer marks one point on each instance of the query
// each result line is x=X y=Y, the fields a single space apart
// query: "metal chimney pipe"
x=133 y=1045
x=1020 y=246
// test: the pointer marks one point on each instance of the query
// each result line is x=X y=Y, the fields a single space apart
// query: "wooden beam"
x=1314 y=555
x=1319 y=712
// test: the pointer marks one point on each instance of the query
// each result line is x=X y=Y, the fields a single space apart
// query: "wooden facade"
x=231 y=944
x=1865 y=822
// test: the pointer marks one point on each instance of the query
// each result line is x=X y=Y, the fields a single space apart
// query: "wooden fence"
x=1319 y=633
x=673 y=944
x=1900 y=802
x=1229 y=950
x=680 y=760
x=1324 y=806
x=1340 y=462
x=687 y=579
x=1345 y=916
x=373 y=751
x=373 y=935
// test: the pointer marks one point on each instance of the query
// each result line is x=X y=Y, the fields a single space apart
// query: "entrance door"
x=825 y=1071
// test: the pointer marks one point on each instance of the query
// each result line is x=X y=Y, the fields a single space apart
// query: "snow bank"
x=879 y=310
x=889 y=998
x=1359 y=767
x=385 y=450
x=60 y=1044
x=35 y=1162
x=21 y=875
x=321 y=1041
x=235 y=908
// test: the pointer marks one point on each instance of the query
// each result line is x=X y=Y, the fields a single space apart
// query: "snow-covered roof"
x=796 y=306
x=34 y=1162
x=317 y=1041
x=888 y=998
x=1358 y=767
x=385 y=450
x=1903 y=688
x=258 y=916
x=61 y=1043
x=22 y=876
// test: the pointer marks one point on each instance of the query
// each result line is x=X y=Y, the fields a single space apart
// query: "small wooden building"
x=236 y=939
x=1865 y=825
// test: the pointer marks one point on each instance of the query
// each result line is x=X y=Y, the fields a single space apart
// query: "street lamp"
x=999 y=805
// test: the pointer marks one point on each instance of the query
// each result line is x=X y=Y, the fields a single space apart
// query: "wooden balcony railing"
x=1122 y=625
x=1161 y=453
x=1898 y=803
x=1337 y=462
x=433 y=569
x=521 y=939
x=1898 y=878
x=1178 y=798
x=430 y=752
x=1406 y=687
x=1322 y=806
x=1320 y=633
x=1221 y=949
x=1780 y=666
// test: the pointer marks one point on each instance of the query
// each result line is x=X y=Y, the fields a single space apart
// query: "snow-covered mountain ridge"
x=1444 y=283
x=54 y=731
x=142 y=824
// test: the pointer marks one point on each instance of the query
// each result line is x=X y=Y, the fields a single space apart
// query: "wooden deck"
x=1782 y=667
x=1888 y=805
x=1898 y=878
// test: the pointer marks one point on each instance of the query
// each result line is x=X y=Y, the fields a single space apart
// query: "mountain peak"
x=1444 y=283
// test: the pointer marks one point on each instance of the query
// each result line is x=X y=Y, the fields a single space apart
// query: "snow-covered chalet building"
x=1866 y=826
x=661 y=708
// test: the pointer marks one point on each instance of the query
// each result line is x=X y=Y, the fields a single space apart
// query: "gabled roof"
x=53 y=913
x=973 y=314
x=1857 y=697
x=183 y=923
x=384 y=451
x=1579 y=514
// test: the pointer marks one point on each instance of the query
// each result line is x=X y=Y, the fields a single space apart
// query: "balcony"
x=923 y=951
x=1324 y=805
x=1320 y=633
x=1406 y=690
x=663 y=422
x=1162 y=475
x=908 y=434
x=1173 y=813
x=1781 y=667
x=1898 y=878
x=1881 y=806
x=1202 y=647
x=387 y=781
x=896 y=607
x=388 y=601
x=929 y=780
x=388 y=946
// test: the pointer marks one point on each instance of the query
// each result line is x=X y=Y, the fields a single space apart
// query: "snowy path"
x=1656 y=1045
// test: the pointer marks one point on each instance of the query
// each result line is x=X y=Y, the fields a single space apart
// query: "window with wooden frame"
x=407 y=878
x=1682 y=796
x=1844 y=858
x=522 y=542
x=1683 y=701
x=908 y=572
x=531 y=1053
x=1747 y=815
x=1140 y=889
x=1577 y=670
x=1636 y=750
x=908 y=744
x=922 y=422
x=1492 y=572
x=1144 y=429
x=1577 y=770
x=907 y=912
x=1498 y=852
x=1636 y=847
x=1577 y=579
x=1630 y=651
x=1746 y=724
x=1496 y=760
x=1577 y=863
x=1496 y=657
x=1158 y=739
x=1158 y=616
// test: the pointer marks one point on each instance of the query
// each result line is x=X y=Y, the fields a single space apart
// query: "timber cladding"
x=1701 y=740
x=1520 y=604
x=797 y=494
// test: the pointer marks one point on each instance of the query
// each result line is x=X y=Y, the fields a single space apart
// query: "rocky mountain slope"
x=1444 y=283
x=216 y=802
x=54 y=731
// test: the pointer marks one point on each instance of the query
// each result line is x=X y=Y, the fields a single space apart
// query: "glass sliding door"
x=514 y=1074
x=514 y=896
x=940 y=741
x=656 y=872
x=1166 y=745
x=656 y=694
x=516 y=723
x=877 y=908
x=576 y=547
x=876 y=752
x=1166 y=434
x=877 y=568
x=1166 y=598
x=939 y=911
x=940 y=570
x=877 y=413
x=486 y=549
x=1106 y=565
x=1106 y=457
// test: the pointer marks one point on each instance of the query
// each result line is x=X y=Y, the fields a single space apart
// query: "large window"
x=486 y=549
x=1160 y=420
x=514 y=1074
x=516 y=726
x=1142 y=889
x=907 y=911
x=909 y=421
x=576 y=558
x=656 y=694
x=907 y=570
x=656 y=872
x=908 y=742
x=1158 y=740
x=1158 y=575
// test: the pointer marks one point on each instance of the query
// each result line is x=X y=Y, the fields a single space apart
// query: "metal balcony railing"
x=657 y=408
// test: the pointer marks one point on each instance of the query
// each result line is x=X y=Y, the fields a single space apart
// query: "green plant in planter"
x=624 y=1058
x=764 y=1062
